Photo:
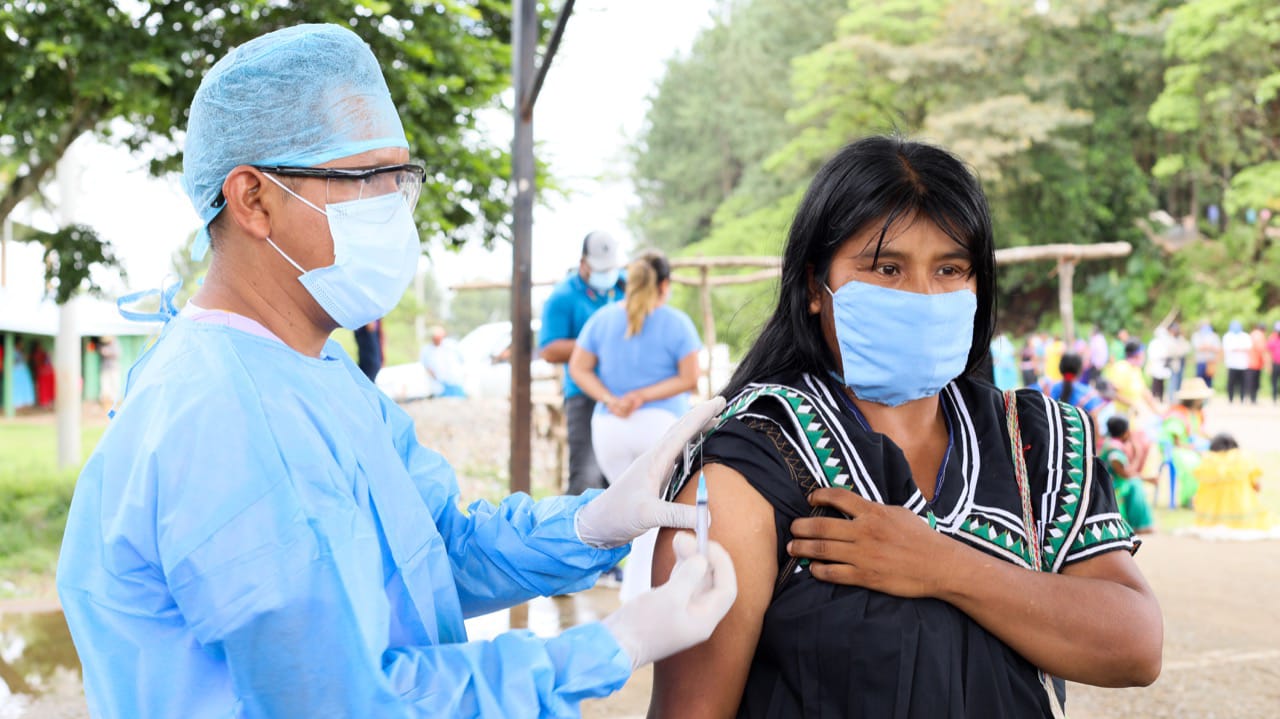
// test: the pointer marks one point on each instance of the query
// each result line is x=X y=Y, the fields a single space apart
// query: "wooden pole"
x=524 y=33
x=1032 y=253
x=708 y=322
x=1066 y=296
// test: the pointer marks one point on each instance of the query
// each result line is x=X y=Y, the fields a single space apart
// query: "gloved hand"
x=631 y=506
x=681 y=613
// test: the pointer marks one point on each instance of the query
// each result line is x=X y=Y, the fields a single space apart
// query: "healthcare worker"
x=259 y=533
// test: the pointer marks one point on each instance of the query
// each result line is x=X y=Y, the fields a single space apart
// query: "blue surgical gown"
x=259 y=534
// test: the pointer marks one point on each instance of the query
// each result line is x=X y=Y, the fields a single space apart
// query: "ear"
x=816 y=291
x=244 y=190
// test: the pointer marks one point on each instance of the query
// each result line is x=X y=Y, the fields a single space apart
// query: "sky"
x=589 y=113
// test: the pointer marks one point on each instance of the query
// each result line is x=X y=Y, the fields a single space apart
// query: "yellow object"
x=1128 y=381
x=1226 y=497
x=1052 y=357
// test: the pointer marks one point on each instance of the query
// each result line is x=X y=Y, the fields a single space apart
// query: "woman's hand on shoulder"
x=886 y=548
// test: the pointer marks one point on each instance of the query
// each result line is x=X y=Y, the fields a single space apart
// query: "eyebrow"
x=892 y=254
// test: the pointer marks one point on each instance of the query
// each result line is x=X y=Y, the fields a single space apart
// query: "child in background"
x=1119 y=455
x=1230 y=488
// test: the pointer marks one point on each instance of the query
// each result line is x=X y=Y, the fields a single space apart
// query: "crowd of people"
x=1147 y=401
x=33 y=380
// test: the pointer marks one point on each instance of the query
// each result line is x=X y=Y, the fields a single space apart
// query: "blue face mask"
x=901 y=346
x=375 y=251
x=603 y=280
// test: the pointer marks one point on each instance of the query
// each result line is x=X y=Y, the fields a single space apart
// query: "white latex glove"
x=632 y=505
x=681 y=613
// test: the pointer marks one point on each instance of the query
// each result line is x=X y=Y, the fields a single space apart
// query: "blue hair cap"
x=300 y=96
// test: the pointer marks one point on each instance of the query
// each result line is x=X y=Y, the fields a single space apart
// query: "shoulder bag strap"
x=1017 y=452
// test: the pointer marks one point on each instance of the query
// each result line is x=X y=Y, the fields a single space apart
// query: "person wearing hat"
x=259 y=533
x=597 y=283
x=1183 y=437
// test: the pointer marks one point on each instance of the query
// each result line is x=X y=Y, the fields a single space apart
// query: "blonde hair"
x=645 y=276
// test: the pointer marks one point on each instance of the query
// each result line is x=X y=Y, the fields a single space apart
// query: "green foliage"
x=34 y=495
x=1219 y=104
x=1080 y=120
x=471 y=308
x=1256 y=187
x=70 y=256
x=33 y=514
x=66 y=73
x=718 y=113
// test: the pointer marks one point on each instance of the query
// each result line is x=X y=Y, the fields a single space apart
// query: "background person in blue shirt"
x=1072 y=389
x=638 y=360
x=597 y=283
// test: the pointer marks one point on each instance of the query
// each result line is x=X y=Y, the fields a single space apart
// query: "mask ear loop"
x=286 y=257
x=304 y=201
x=300 y=198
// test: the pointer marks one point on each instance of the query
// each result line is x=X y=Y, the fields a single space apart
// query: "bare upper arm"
x=706 y=681
x=558 y=351
x=581 y=361
x=1116 y=566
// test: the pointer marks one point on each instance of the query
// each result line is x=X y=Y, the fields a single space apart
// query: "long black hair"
x=1069 y=366
x=876 y=180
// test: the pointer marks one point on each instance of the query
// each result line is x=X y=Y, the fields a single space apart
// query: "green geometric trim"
x=814 y=430
x=1001 y=539
x=1068 y=505
x=1105 y=531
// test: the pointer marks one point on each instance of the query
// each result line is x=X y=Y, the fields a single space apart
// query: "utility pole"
x=527 y=77
x=525 y=41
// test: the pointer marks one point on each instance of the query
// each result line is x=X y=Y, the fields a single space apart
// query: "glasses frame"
x=338 y=173
x=342 y=173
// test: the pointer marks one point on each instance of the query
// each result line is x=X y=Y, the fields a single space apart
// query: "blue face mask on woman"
x=375 y=251
x=901 y=346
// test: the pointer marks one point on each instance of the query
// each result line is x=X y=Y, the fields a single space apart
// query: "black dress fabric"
x=832 y=651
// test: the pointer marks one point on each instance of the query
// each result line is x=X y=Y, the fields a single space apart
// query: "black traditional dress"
x=828 y=650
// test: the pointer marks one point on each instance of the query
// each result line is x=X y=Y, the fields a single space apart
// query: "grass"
x=34 y=498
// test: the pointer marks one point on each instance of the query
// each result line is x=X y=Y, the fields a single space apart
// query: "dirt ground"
x=1222 y=642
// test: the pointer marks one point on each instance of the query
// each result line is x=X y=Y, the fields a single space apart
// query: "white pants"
x=617 y=443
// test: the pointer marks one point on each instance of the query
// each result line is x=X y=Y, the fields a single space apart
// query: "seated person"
x=1125 y=465
x=1183 y=437
x=1230 y=488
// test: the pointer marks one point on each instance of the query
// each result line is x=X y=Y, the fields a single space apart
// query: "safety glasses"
x=345 y=185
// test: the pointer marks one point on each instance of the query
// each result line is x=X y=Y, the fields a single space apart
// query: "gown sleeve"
x=506 y=554
x=281 y=588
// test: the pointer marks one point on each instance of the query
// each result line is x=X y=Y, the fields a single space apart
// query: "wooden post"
x=524 y=32
x=1066 y=296
x=708 y=322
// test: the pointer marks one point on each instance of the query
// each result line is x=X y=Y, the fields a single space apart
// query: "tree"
x=71 y=255
x=471 y=308
x=74 y=67
x=1048 y=107
x=1220 y=105
x=719 y=112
